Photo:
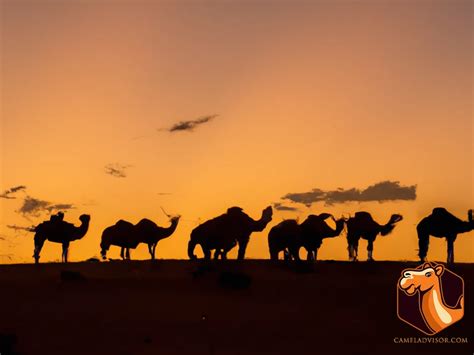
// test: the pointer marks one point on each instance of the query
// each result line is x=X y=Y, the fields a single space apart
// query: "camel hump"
x=147 y=223
x=363 y=215
x=444 y=215
x=440 y=211
x=286 y=223
x=324 y=216
x=122 y=223
x=234 y=209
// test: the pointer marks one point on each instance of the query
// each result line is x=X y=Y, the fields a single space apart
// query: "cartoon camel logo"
x=440 y=301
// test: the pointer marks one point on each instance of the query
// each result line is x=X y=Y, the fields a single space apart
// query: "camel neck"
x=82 y=229
x=434 y=309
x=170 y=230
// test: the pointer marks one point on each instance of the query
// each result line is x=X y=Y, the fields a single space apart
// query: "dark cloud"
x=281 y=207
x=381 y=192
x=117 y=170
x=35 y=207
x=191 y=124
x=21 y=228
x=8 y=193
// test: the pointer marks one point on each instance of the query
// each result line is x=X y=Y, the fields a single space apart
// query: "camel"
x=427 y=281
x=128 y=236
x=289 y=236
x=362 y=225
x=224 y=232
x=440 y=223
x=58 y=231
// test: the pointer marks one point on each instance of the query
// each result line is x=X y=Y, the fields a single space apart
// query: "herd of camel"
x=234 y=227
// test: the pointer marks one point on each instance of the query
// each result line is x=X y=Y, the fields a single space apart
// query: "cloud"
x=164 y=193
x=191 y=124
x=281 y=207
x=117 y=170
x=35 y=207
x=8 y=193
x=21 y=228
x=381 y=192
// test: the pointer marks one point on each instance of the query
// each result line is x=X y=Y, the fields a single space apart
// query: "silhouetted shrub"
x=234 y=280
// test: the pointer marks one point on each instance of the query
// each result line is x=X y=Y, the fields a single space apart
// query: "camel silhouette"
x=128 y=236
x=289 y=236
x=440 y=223
x=427 y=281
x=362 y=225
x=58 y=231
x=224 y=232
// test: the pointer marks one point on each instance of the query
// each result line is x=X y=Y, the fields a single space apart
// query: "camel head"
x=175 y=219
x=85 y=218
x=422 y=280
x=267 y=214
x=395 y=218
x=340 y=224
x=469 y=216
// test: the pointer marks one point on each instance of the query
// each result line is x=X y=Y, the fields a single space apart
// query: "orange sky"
x=321 y=94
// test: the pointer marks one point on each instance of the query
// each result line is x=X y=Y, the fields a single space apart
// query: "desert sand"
x=192 y=307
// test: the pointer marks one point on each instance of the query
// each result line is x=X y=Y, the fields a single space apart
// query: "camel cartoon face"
x=420 y=280
x=440 y=300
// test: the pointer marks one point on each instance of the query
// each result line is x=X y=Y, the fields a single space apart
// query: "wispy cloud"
x=190 y=125
x=117 y=170
x=33 y=207
x=17 y=228
x=164 y=193
x=381 y=192
x=8 y=194
x=281 y=207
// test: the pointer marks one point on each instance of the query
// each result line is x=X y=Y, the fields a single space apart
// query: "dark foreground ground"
x=184 y=307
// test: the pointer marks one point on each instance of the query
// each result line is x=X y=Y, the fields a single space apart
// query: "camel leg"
x=274 y=254
x=310 y=256
x=150 y=251
x=295 y=253
x=217 y=253
x=127 y=253
x=122 y=251
x=423 y=243
x=356 y=249
x=39 y=242
x=316 y=254
x=224 y=253
x=153 y=251
x=352 y=246
x=65 y=251
x=370 y=248
x=450 y=242
x=207 y=253
x=242 y=248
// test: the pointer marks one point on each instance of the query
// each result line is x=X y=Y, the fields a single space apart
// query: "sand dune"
x=184 y=307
